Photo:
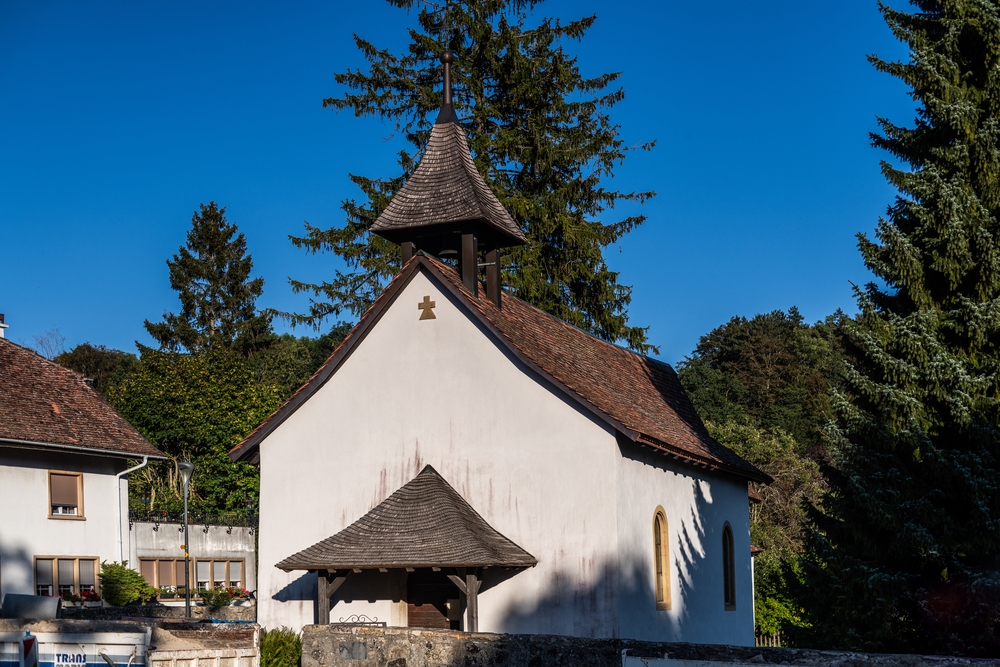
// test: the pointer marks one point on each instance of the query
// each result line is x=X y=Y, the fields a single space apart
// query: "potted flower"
x=240 y=596
x=167 y=592
x=92 y=599
x=70 y=599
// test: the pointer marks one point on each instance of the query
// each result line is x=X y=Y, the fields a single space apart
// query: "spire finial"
x=447 y=114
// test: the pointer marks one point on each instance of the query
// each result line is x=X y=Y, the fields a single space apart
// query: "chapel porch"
x=426 y=536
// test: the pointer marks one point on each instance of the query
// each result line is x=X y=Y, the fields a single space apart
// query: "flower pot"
x=93 y=603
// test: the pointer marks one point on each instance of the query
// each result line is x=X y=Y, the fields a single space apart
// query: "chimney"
x=2 y=325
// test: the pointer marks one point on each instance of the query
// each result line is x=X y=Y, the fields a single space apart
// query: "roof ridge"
x=508 y=295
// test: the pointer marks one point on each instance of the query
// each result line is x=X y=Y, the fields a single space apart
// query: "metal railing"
x=228 y=520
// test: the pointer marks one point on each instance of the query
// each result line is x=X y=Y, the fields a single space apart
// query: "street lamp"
x=186 y=469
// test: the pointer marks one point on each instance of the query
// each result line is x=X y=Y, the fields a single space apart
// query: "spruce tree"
x=908 y=549
x=541 y=135
x=211 y=274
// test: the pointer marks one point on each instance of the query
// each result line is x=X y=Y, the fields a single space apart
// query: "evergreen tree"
x=211 y=274
x=908 y=549
x=539 y=132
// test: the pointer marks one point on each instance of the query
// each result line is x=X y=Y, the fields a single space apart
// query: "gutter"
x=118 y=477
x=80 y=448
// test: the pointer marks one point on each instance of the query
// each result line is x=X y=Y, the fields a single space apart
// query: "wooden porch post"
x=327 y=585
x=472 y=584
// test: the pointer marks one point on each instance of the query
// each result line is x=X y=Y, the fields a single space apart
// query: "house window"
x=728 y=568
x=661 y=559
x=65 y=576
x=207 y=574
x=65 y=495
x=219 y=574
x=163 y=572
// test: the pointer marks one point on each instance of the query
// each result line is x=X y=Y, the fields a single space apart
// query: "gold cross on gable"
x=425 y=307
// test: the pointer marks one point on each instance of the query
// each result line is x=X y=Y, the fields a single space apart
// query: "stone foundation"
x=356 y=646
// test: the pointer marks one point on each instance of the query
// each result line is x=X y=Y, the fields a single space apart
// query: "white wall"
x=696 y=508
x=543 y=473
x=440 y=392
x=152 y=540
x=26 y=530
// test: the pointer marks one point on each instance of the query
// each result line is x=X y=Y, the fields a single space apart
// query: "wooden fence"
x=770 y=641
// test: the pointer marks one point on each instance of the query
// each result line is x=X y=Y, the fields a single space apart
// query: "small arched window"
x=661 y=559
x=728 y=568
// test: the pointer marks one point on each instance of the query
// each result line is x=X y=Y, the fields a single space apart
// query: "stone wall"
x=198 y=612
x=355 y=646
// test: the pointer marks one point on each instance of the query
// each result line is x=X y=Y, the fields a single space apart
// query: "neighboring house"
x=222 y=554
x=63 y=492
x=466 y=460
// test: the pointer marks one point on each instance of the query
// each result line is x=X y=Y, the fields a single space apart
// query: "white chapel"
x=465 y=460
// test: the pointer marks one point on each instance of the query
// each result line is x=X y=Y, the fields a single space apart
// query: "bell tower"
x=446 y=209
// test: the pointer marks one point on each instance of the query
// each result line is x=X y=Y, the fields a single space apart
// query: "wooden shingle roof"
x=639 y=397
x=446 y=189
x=45 y=404
x=425 y=523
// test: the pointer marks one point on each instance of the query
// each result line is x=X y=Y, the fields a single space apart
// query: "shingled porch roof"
x=425 y=523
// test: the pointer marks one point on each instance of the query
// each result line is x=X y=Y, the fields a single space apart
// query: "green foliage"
x=290 y=361
x=907 y=553
x=281 y=647
x=216 y=597
x=541 y=135
x=122 y=585
x=778 y=524
x=212 y=277
x=763 y=386
x=197 y=407
x=103 y=365
x=774 y=370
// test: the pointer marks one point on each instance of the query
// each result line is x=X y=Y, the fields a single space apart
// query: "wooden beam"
x=327 y=585
x=493 y=276
x=407 y=250
x=322 y=599
x=460 y=582
x=472 y=584
x=469 y=264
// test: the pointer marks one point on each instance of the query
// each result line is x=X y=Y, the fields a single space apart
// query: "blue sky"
x=118 y=118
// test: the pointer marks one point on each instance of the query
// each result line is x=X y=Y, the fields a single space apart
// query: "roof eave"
x=312 y=567
x=755 y=475
x=82 y=449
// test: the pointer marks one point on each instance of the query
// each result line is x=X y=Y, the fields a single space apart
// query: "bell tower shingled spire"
x=446 y=208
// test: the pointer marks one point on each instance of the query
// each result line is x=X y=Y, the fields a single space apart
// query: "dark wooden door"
x=427 y=596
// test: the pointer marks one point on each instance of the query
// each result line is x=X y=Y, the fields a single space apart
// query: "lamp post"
x=186 y=469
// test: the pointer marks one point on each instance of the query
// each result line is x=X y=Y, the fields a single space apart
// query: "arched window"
x=661 y=559
x=728 y=568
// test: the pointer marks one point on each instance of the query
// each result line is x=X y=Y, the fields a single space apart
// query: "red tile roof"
x=638 y=396
x=44 y=403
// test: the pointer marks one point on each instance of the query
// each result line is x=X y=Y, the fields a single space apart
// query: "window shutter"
x=64 y=490
x=43 y=571
x=66 y=572
x=87 y=573
x=165 y=570
x=236 y=573
x=147 y=569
